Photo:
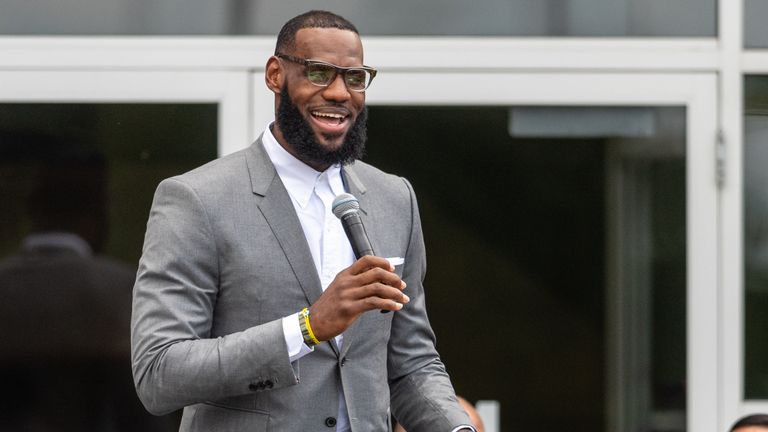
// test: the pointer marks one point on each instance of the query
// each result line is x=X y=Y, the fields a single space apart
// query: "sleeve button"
x=257 y=386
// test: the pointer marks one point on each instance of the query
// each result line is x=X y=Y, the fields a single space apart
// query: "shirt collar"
x=299 y=178
x=58 y=240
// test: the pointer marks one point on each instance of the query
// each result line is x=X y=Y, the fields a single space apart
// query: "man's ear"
x=274 y=75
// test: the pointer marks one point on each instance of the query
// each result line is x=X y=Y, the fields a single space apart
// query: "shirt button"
x=330 y=421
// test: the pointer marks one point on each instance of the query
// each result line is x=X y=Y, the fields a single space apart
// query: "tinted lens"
x=320 y=74
x=357 y=79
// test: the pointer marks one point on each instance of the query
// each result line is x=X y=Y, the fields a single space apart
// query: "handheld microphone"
x=346 y=207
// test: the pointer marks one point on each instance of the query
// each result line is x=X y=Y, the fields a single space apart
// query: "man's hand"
x=369 y=283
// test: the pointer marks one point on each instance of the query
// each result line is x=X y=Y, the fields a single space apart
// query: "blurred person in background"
x=65 y=308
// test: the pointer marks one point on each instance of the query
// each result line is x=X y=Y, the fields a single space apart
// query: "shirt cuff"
x=293 y=338
x=464 y=428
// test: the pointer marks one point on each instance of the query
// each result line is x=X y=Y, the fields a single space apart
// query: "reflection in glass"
x=755 y=237
x=679 y=18
x=523 y=225
x=76 y=182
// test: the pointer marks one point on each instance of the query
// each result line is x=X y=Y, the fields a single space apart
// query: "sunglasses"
x=322 y=74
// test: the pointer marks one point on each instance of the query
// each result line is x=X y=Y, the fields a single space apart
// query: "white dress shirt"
x=312 y=194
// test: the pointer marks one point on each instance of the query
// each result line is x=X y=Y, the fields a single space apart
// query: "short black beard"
x=301 y=137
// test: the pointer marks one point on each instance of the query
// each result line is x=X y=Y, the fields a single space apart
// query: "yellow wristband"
x=306 y=329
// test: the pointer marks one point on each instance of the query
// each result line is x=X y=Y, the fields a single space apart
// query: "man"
x=250 y=310
x=65 y=306
x=751 y=423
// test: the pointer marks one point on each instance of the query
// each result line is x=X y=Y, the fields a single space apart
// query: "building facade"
x=589 y=172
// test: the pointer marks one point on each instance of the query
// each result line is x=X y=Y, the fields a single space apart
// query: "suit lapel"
x=281 y=217
x=356 y=187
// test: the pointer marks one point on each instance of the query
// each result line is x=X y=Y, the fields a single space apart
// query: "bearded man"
x=250 y=309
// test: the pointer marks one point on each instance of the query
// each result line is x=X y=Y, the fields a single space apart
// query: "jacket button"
x=330 y=421
x=343 y=361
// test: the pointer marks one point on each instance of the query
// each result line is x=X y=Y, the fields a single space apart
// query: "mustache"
x=301 y=137
x=335 y=105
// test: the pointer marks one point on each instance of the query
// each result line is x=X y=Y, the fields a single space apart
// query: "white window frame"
x=127 y=70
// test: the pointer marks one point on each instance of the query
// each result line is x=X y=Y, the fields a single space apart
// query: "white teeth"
x=329 y=115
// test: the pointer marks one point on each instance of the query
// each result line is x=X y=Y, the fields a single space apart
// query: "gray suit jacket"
x=225 y=258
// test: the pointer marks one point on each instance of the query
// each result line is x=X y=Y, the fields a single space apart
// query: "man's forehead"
x=329 y=44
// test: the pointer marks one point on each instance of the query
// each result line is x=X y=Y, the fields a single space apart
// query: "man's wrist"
x=306 y=329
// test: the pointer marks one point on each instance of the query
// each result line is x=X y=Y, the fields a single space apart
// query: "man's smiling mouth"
x=330 y=121
x=332 y=118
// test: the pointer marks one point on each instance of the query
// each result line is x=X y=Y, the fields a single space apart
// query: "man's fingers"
x=368 y=262
x=373 y=296
x=383 y=304
x=361 y=299
x=380 y=275
x=379 y=291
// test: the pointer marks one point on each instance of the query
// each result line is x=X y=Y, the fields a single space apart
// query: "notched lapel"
x=356 y=187
x=281 y=217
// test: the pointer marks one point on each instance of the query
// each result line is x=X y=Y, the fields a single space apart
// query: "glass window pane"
x=756 y=237
x=679 y=18
x=567 y=243
x=755 y=30
x=76 y=184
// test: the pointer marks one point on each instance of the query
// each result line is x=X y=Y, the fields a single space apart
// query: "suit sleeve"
x=175 y=361
x=422 y=397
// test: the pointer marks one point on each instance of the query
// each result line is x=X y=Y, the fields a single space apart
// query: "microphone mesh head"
x=343 y=204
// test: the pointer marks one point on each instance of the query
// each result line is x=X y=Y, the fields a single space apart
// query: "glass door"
x=572 y=219
x=80 y=156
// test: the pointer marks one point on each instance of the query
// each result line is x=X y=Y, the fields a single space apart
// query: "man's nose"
x=337 y=89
